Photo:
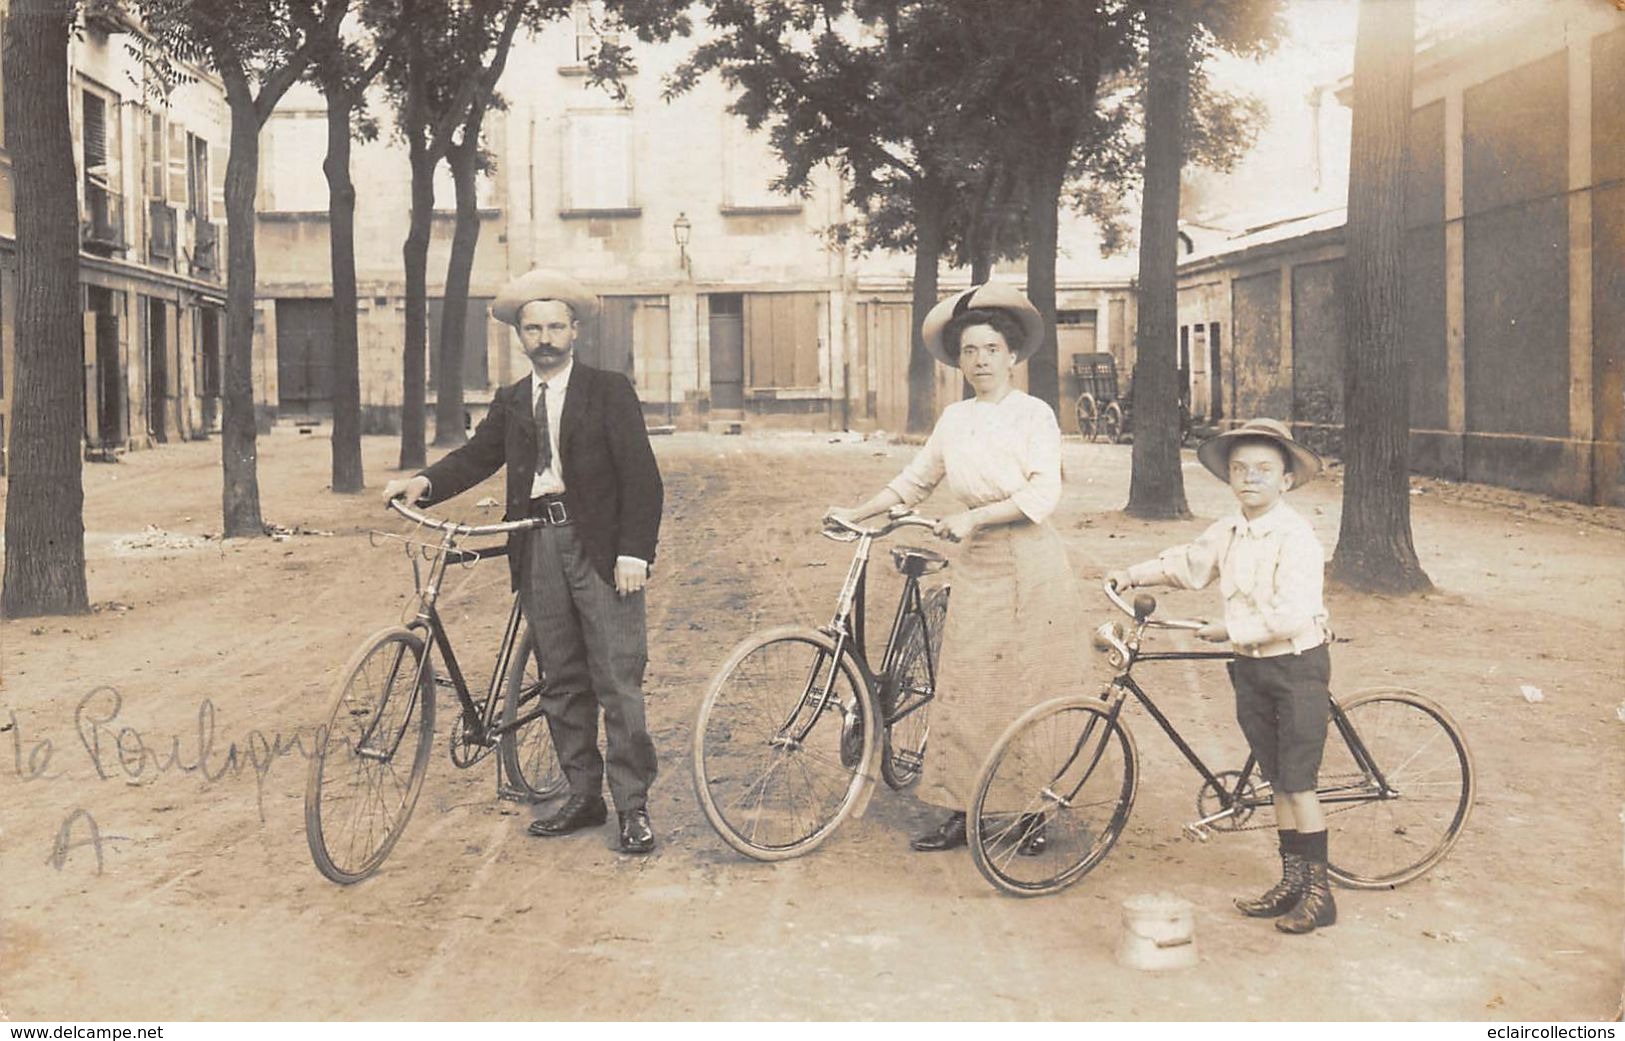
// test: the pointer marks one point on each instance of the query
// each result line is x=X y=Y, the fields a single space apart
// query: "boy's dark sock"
x=1312 y=846
x=1289 y=840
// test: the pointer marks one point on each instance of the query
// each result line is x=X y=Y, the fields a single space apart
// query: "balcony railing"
x=205 y=247
x=160 y=230
x=102 y=230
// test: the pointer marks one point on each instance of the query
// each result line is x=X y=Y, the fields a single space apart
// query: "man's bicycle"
x=1397 y=781
x=787 y=738
x=372 y=754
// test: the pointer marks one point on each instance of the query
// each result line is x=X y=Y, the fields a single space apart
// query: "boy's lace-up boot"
x=1284 y=895
x=1316 y=909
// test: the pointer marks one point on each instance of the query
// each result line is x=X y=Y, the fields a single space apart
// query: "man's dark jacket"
x=612 y=485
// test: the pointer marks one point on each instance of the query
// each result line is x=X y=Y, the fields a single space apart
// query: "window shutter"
x=217 y=156
x=177 y=164
x=95 y=133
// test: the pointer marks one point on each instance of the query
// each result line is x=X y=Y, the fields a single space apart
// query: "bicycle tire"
x=350 y=831
x=902 y=753
x=1387 y=842
x=529 y=761
x=1068 y=745
x=747 y=775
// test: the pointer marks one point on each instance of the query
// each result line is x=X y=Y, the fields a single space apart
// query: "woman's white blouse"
x=989 y=453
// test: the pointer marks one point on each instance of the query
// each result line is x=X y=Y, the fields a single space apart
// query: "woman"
x=1011 y=638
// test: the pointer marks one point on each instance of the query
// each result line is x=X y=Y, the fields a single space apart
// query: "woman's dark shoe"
x=1316 y=908
x=950 y=835
x=1284 y=895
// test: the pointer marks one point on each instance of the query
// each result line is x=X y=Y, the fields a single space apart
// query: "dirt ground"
x=172 y=894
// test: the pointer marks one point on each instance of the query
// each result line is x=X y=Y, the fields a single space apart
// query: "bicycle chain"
x=1260 y=826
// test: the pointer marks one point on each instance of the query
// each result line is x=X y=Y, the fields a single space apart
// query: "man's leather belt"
x=550 y=509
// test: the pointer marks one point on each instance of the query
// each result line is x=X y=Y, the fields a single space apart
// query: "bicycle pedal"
x=446 y=682
x=1197 y=833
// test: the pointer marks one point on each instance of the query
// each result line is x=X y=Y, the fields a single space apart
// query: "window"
x=598 y=161
x=197 y=177
x=590 y=21
x=95 y=140
x=749 y=167
x=297 y=146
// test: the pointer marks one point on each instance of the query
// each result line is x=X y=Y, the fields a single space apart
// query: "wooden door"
x=727 y=328
x=304 y=355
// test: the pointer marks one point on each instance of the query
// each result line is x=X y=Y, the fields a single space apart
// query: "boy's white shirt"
x=1271 y=572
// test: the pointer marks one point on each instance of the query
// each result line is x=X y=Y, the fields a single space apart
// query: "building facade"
x=1515 y=270
x=149 y=181
x=722 y=299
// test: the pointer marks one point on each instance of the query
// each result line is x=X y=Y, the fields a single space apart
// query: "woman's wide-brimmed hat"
x=995 y=295
x=1214 y=453
x=543 y=284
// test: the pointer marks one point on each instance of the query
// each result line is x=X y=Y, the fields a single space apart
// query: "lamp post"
x=681 y=231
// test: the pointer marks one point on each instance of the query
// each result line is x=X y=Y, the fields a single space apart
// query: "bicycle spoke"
x=769 y=762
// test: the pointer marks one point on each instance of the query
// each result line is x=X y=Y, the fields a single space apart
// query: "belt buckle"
x=556 y=513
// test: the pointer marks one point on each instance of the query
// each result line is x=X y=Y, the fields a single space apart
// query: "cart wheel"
x=1088 y=415
x=1111 y=423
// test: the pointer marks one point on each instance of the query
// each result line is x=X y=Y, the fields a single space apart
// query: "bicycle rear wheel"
x=1053 y=796
x=783 y=743
x=369 y=763
x=903 y=755
x=1377 y=840
x=529 y=760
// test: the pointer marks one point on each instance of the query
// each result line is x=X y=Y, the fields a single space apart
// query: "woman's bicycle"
x=787 y=738
x=372 y=754
x=1396 y=783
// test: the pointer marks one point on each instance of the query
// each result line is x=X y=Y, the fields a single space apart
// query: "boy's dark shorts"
x=1282 y=704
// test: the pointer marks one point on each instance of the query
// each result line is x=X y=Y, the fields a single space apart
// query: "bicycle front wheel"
x=529 y=761
x=369 y=762
x=783 y=743
x=1381 y=837
x=1053 y=796
x=903 y=755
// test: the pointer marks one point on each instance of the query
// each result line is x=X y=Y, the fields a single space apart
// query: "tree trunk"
x=240 y=495
x=1044 y=178
x=1374 y=548
x=930 y=231
x=347 y=473
x=415 y=255
x=1157 y=484
x=45 y=531
x=448 y=413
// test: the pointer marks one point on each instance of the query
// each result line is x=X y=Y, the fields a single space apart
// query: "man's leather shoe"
x=950 y=835
x=637 y=835
x=578 y=811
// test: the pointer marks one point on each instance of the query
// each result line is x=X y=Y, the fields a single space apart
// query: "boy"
x=1270 y=569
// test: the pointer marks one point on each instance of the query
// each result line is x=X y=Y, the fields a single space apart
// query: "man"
x=578 y=458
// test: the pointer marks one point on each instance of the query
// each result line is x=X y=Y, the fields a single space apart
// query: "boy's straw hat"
x=995 y=295
x=543 y=284
x=1214 y=453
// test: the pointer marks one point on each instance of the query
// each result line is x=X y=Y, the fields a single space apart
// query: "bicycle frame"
x=1234 y=800
x=847 y=627
x=480 y=726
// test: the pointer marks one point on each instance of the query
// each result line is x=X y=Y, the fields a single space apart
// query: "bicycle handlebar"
x=840 y=531
x=1144 y=605
x=461 y=530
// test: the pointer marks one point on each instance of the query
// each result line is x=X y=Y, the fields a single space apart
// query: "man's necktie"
x=544 y=439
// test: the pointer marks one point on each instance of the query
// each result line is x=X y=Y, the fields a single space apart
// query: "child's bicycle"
x=1397 y=781
x=372 y=754
x=787 y=736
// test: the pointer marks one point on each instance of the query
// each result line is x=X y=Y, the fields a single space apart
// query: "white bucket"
x=1159 y=932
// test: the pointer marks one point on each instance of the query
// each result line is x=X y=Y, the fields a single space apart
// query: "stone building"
x=721 y=298
x=1515 y=269
x=149 y=181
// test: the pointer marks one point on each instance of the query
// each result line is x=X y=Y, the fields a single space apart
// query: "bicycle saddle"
x=913 y=560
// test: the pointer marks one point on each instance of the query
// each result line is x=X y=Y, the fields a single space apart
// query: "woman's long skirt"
x=1016 y=635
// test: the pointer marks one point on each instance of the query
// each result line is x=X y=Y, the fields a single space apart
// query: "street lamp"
x=682 y=230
